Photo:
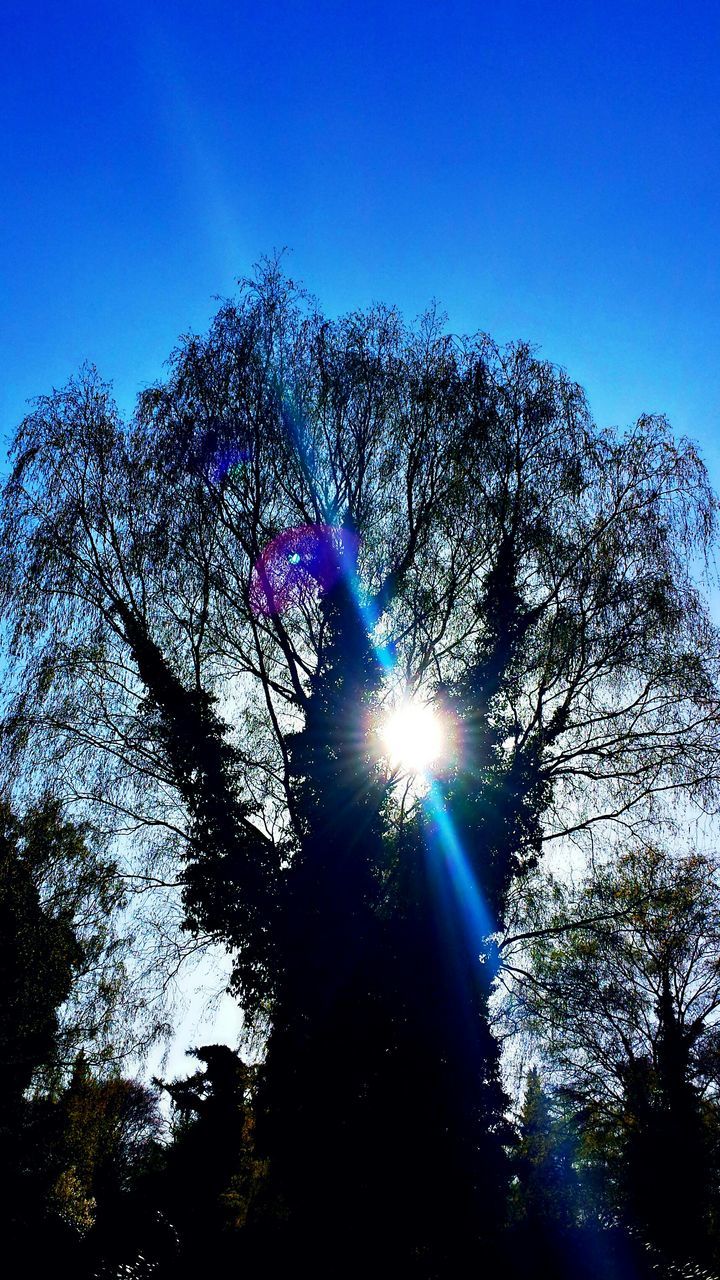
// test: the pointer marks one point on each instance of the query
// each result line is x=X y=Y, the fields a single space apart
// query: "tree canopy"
x=207 y=607
x=621 y=993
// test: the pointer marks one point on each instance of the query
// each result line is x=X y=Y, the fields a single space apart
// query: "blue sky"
x=545 y=170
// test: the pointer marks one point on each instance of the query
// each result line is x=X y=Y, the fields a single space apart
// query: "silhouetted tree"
x=548 y=1192
x=58 y=976
x=108 y=1131
x=624 y=1007
x=497 y=549
x=211 y=1174
x=39 y=954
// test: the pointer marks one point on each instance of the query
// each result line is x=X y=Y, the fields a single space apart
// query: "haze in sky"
x=547 y=171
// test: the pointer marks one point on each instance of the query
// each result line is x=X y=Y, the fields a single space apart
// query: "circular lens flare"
x=413 y=737
x=298 y=564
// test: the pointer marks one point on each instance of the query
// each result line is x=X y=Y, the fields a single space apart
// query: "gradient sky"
x=545 y=170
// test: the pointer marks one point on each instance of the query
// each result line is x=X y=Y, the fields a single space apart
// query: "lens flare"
x=298 y=564
x=413 y=737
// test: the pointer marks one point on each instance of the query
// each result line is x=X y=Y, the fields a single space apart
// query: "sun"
x=413 y=737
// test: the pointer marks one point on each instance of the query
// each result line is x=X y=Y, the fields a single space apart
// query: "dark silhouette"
x=209 y=1177
x=56 y=891
x=496 y=552
x=624 y=1004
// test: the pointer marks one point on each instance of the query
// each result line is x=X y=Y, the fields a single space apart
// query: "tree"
x=622 y=991
x=205 y=603
x=211 y=1174
x=548 y=1191
x=39 y=957
x=108 y=1127
x=60 y=959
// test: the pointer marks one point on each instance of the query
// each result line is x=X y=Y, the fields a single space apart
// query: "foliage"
x=622 y=992
x=471 y=475
x=211 y=1174
x=63 y=900
x=39 y=957
x=548 y=1190
x=108 y=1126
x=60 y=986
x=501 y=553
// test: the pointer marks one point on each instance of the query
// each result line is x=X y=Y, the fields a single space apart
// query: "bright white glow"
x=413 y=737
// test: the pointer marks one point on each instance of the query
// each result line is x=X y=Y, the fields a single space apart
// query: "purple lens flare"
x=299 y=563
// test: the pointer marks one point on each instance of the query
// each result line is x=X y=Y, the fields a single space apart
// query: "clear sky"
x=545 y=170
